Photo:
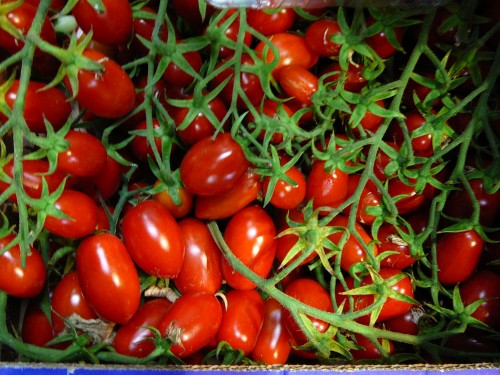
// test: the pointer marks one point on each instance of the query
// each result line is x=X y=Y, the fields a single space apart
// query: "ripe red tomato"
x=250 y=234
x=213 y=166
x=134 y=337
x=327 y=189
x=165 y=199
x=380 y=44
x=273 y=112
x=270 y=22
x=273 y=342
x=457 y=255
x=105 y=183
x=390 y=240
x=144 y=27
x=369 y=197
x=370 y=351
x=153 y=239
x=112 y=25
x=140 y=145
x=198 y=315
x=409 y=201
x=82 y=212
x=231 y=32
x=67 y=299
x=109 y=93
x=16 y=280
x=287 y=196
x=201 y=268
x=241 y=320
x=108 y=277
x=354 y=80
x=421 y=145
x=298 y=83
x=36 y=329
x=370 y=121
x=175 y=75
x=381 y=162
x=406 y=323
x=318 y=37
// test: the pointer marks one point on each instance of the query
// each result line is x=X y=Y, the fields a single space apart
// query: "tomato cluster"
x=187 y=184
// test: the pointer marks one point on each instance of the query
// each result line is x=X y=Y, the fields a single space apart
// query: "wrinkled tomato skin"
x=241 y=320
x=250 y=235
x=14 y=279
x=112 y=26
x=457 y=255
x=82 y=211
x=298 y=83
x=402 y=259
x=327 y=189
x=108 y=277
x=213 y=166
x=199 y=316
x=201 y=268
x=67 y=299
x=36 y=329
x=483 y=284
x=285 y=195
x=273 y=342
x=271 y=22
x=134 y=338
x=153 y=239
x=318 y=37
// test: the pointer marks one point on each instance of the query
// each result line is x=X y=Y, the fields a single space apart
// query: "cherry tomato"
x=270 y=22
x=318 y=37
x=108 y=277
x=103 y=184
x=231 y=32
x=175 y=210
x=153 y=239
x=134 y=337
x=326 y=189
x=250 y=234
x=36 y=329
x=381 y=45
x=370 y=351
x=381 y=162
x=213 y=166
x=390 y=240
x=16 y=280
x=285 y=195
x=198 y=316
x=369 y=197
x=175 y=75
x=144 y=27
x=354 y=80
x=140 y=145
x=421 y=145
x=370 y=121
x=408 y=199
x=298 y=83
x=272 y=113
x=241 y=320
x=201 y=268
x=406 y=323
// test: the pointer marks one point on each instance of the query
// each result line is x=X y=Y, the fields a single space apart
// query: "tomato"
x=270 y=22
x=41 y=104
x=408 y=199
x=421 y=145
x=311 y=293
x=406 y=323
x=273 y=115
x=175 y=210
x=134 y=337
x=245 y=191
x=231 y=32
x=67 y=299
x=143 y=27
x=241 y=320
x=112 y=25
x=108 y=277
x=213 y=166
x=273 y=342
x=285 y=195
x=109 y=93
x=16 y=280
x=370 y=351
x=370 y=121
x=326 y=189
x=175 y=75
x=103 y=223
x=189 y=11
x=457 y=255
x=36 y=329
x=153 y=239
x=250 y=235
x=390 y=240
x=198 y=316
x=354 y=80
x=85 y=155
x=380 y=44
x=483 y=284
x=298 y=83
x=292 y=49
x=201 y=268
x=318 y=37
x=381 y=162
x=82 y=212
x=105 y=183
x=369 y=197
x=140 y=145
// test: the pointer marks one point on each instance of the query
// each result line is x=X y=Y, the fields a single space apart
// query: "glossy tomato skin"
x=318 y=37
x=199 y=316
x=67 y=299
x=134 y=338
x=273 y=342
x=287 y=196
x=369 y=351
x=421 y=145
x=409 y=200
x=271 y=22
x=153 y=239
x=457 y=255
x=103 y=184
x=250 y=235
x=298 y=83
x=14 y=279
x=201 y=268
x=144 y=27
x=381 y=44
x=213 y=166
x=82 y=211
x=140 y=146
x=241 y=320
x=354 y=80
x=326 y=189
x=112 y=26
x=390 y=240
x=176 y=76
x=406 y=323
x=36 y=329
x=108 y=277
x=369 y=197
x=166 y=200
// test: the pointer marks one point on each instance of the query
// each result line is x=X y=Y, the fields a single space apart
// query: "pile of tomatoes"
x=185 y=184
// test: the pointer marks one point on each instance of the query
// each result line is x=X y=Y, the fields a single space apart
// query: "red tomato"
x=165 y=199
x=140 y=145
x=327 y=189
x=103 y=223
x=67 y=299
x=105 y=183
x=409 y=201
x=134 y=337
x=144 y=27
x=36 y=329
x=112 y=25
x=318 y=37
x=298 y=83
x=272 y=113
x=369 y=197
x=457 y=255
x=48 y=104
x=177 y=76
x=370 y=351
x=421 y=145
x=370 y=121
x=287 y=196
x=390 y=240
x=245 y=191
x=153 y=239
x=16 y=280
x=354 y=80
x=270 y=22
x=109 y=93
x=201 y=268
x=273 y=342
x=311 y=293
x=198 y=316
x=108 y=277
x=381 y=162
x=213 y=166
x=241 y=320
x=231 y=32
x=406 y=323
x=189 y=11
x=250 y=234
x=85 y=155
x=82 y=212
x=381 y=45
